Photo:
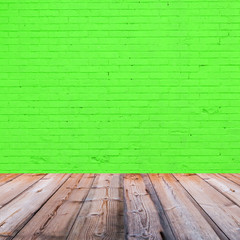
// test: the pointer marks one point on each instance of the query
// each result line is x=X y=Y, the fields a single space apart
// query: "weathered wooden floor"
x=115 y=206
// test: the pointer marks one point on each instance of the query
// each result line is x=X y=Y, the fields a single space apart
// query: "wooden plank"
x=5 y=178
x=233 y=177
x=143 y=220
x=15 y=187
x=17 y=213
x=101 y=216
x=223 y=185
x=167 y=230
x=221 y=210
x=185 y=219
x=55 y=219
x=236 y=174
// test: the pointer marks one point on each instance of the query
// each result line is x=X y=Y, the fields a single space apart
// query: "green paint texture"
x=119 y=86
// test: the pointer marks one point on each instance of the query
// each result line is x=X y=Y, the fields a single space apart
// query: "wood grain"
x=37 y=226
x=186 y=221
x=21 y=209
x=232 y=177
x=143 y=220
x=223 y=185
x=167 y=229
x=4 y=178
x=117 y=206
x=101 y=214
x=16 y=186
x=222 y=211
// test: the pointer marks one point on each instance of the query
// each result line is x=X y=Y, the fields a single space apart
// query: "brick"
x=119 y=86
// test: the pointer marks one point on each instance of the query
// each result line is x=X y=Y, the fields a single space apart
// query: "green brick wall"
x=119 y=86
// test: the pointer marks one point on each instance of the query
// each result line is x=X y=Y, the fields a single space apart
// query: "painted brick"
x=119 y=86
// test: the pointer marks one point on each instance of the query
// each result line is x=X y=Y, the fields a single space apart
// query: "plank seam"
x=24 y=223
x=10 y=180
x=22 y=192
x=125 y=216
x=160 y=209
x=222 y=174
x=219 y=191
x=78 y=214
x=210 y=221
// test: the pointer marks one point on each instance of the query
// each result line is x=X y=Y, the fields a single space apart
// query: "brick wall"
x=119 y=86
